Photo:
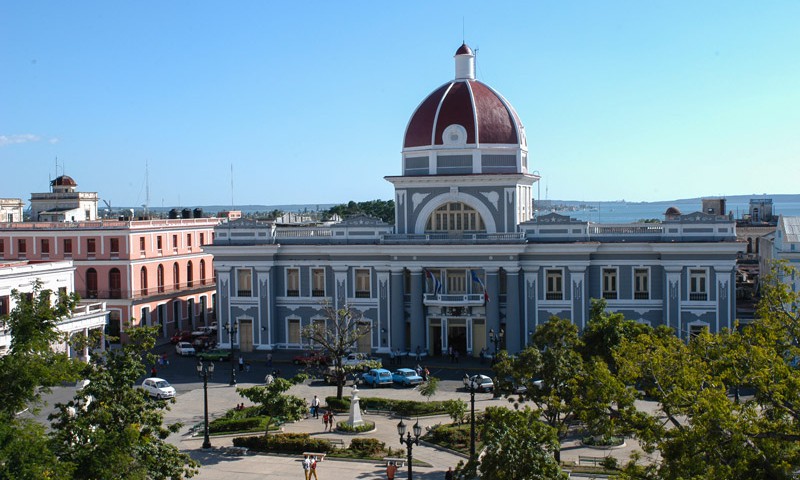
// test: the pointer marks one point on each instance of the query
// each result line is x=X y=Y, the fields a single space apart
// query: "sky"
x=276 y=102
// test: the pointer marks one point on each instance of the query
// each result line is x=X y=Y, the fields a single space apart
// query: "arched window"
x=202 y=272
x=160 y=278
x=114 y=283
x=91 y=283
x=143 y=280
x=176 y=276
x=189 y=274
x=455 y=217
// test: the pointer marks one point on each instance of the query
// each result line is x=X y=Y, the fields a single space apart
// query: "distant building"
x=149 y=272
x=230 y=214
x=57 y=277
x=784 y=245
x=11 y=209
x=465 y=259
x=64 y=203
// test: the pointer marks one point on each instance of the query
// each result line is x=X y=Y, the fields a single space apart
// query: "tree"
x=30 y=368
x=518 y=446
x=383 y=209
x=111 y=429
x=605 y=331
x=337 y=336
x=429 y=388
x=273 y=402
x=550 y=370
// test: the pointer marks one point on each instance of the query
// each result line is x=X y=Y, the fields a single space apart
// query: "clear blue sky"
x=308 y=100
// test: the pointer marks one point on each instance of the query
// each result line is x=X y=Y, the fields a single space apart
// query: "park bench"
x=583 y=459
x=338 y=442
x=399 y=462
x=315 y=455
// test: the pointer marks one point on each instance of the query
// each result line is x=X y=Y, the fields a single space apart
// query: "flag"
x=437 y=285
x=476 y=278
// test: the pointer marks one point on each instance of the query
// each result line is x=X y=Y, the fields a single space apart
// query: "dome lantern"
x=465 y=63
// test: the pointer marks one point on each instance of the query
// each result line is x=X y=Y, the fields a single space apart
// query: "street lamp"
x=409 y=442
x=231 y=329
x=205 y=371
x=496 y=338
x=471 y=385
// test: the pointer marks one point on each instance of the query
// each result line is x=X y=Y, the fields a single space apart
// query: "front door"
x=246 y=335
x=365 y=341
x=457 y=335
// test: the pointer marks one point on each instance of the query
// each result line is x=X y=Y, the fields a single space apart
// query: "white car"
x=483 y=383
x=158 y=388
x=184 y=348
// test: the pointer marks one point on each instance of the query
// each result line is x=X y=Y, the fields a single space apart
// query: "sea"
x=627 y=212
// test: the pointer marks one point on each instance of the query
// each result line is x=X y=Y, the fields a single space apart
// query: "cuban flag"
x=437 y=285
x=477 y=279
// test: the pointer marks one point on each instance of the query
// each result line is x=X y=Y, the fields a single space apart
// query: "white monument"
x=355 y=419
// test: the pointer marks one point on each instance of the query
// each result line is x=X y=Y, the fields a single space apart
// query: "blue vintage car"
x=377 y=376
x=406 y=377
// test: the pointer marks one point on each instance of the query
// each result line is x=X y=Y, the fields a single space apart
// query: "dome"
x=466 y=106
x=63 y=181
x=672 y=211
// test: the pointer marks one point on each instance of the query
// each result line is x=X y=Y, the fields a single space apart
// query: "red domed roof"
x=64 y=181
x=464 y=50
x=484 y=113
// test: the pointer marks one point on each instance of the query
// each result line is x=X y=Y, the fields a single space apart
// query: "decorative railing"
x=146 y=292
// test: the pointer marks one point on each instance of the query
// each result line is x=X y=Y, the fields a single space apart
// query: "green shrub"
x=338 y=404
x=456 y=409
x=367 y=446
x=291 y=443
x=346 y=427
x=224 y=424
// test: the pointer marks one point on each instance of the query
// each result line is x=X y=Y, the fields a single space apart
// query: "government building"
x=466 y=258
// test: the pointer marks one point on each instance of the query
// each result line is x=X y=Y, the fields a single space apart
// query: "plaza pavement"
x=188 y=410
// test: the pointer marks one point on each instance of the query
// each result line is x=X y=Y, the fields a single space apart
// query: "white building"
x=63 y=203
x=11 y=209
x=783 y=245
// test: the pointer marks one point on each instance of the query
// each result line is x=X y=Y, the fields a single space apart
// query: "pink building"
x=150 y=272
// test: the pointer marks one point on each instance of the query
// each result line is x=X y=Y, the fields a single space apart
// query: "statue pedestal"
x=355 y=419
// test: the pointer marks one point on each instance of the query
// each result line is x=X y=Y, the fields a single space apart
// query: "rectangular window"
x=188 y=239
x=202 y=239
x=244 y=282
x=159 y=243
x=362 y=283
x=22 y=248
x=45 y=247
x=114 y=247
x=174 y=243
x=317 y=282
x=697 y=285
x=2 y=248
x=555 y=285
x=456 y=281
x=141 y=244
x=292 y=282
x=610 y=283
x=5 y=305
x=641 y=284
x=68 y=247
x=91 y=247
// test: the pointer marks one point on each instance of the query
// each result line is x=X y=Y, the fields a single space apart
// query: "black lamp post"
x=409 y=442
x=205 y=371
x=471 y=385
x=231 y=329
x=496 y=338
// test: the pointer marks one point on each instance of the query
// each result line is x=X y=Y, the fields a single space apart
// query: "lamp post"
x=471 y=385
x=205 y=371
x=409 y=442
x=231 y=329
x=496 y=338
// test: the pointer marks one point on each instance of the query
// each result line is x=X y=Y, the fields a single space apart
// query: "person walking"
x=331 y=420
x=315 y=407
x=391 y=470
x=313 y=470
x=241 y=363
x=449 y=474
x=325 y=420
x=269 y=360
x=307 y=467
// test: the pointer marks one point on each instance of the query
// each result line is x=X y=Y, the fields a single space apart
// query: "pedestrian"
x=313 y=469
x=449 y=475
x=425 y=374
x=455 y=354
x=247 y=367
x=269 y=360
x=315 y=407
x=483 y=352
x=153 y=371
x=450 y=353
x=391 y=469
x=419 y=353
x=331 y=420
x=325 y=420
x=391 y=357
x=307 y=467
x=241 y=363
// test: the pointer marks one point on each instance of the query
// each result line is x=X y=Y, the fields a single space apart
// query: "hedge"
x=291 y=443
x=221 y=425
x=407 y=408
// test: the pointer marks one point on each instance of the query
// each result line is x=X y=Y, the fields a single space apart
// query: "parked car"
x=361 y=360
x=181 y=336
x=482 y=383
x=406 y=377
x=184 y=348
x=314 y=357
x=203 y=331
x=377 y=377
x=214 y=355
x=158 y=388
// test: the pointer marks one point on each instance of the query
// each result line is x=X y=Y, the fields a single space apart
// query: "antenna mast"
x=232 y=204
x=146 y=187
